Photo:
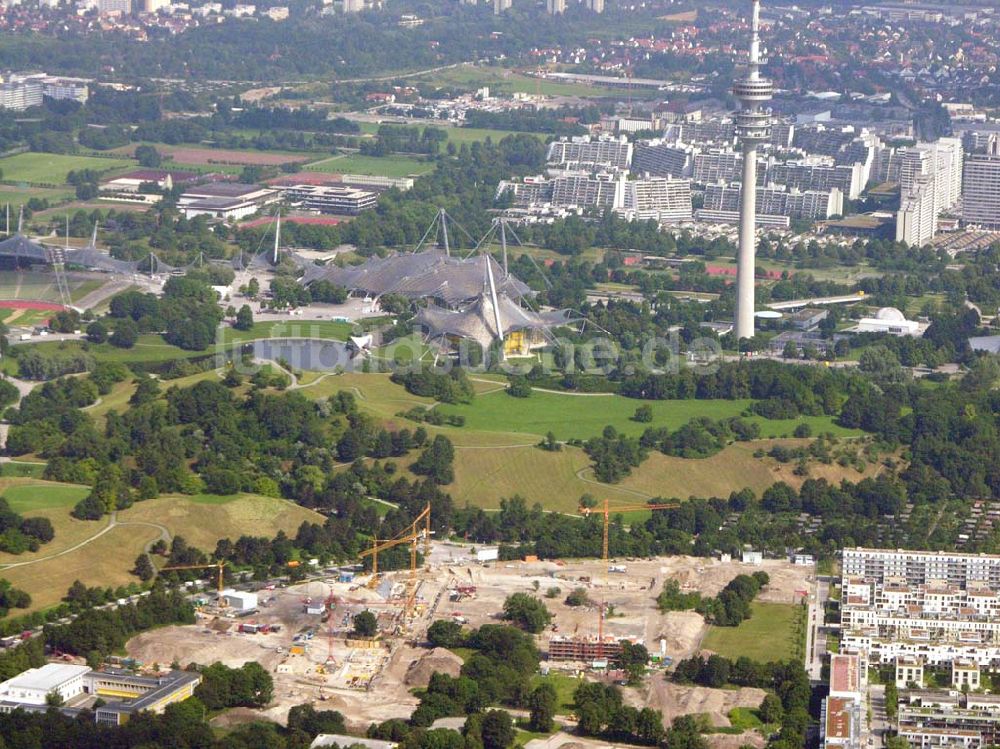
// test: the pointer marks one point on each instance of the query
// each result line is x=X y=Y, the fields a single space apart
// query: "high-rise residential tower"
x=981 y=187
x=753 y=126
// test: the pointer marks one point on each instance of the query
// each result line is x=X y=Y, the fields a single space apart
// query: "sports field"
x=383 y=166
x=771 y=634
x=51 y=168
x=41 y=286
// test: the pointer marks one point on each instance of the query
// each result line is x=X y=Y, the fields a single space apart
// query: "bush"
x=365 y=624
x=526 y=612
x=445 y=633
x=519 y=388
x=125 y=336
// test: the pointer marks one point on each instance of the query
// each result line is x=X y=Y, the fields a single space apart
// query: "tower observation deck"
x=753 y=126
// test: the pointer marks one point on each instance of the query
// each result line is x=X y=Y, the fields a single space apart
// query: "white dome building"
x=889 y=320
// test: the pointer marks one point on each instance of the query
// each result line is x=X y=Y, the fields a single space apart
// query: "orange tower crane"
x=607 y=511
x=218 y=565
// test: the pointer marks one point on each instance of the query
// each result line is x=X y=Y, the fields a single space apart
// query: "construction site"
x=304 y=634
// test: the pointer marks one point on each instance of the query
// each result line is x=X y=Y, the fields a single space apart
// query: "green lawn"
x=26 y=498
x=768 y=635
x=325 y=329
x=51 y=168
x=383 y=166
x=24 y=469
x=19 y=195
x=745 y=718
x=149 y=349
x=458 y=135
x=564 y=685
x=24 y=318
x=583 y=416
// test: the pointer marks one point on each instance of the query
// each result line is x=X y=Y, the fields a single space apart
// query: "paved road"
x=880 y=722
x=815 y=638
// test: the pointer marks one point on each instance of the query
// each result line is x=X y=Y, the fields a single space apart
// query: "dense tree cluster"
x=451 y=387
x=12 y=598
x=526 y=612
x=187 y=314
x=19 y=534
x=601 y=712
x=789 y=682
x=498 y=672
x=614 y=454
x=250 y=685
x=102 y=632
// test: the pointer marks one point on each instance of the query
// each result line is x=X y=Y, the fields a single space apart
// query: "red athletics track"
x=30 y=304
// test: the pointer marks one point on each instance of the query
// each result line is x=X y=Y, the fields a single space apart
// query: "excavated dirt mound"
x=440 y=660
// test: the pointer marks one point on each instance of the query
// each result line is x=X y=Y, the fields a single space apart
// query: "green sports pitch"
x=52 y=168
x=41 y=286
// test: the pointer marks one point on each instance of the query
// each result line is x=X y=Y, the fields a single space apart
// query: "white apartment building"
x=937 y=607
x=942 y=160
x=918 y=567
x=123 y=7
x=662 y=158
x=850 y=179
x=580 y=190
x=717 y=166
x=916 y=219
x=778 y=201
x=585 y=153
x=20 y=92
x=555 y=7
x=929 y=719
x=663 y=199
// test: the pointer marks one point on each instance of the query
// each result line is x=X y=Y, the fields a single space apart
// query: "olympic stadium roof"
x=20 y=246
x=478 y=321
x=431 y=274
x=91 y=257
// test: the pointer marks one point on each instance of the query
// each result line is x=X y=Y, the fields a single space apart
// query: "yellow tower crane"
x=607 y=511
x=217 y=565
x=419 y=529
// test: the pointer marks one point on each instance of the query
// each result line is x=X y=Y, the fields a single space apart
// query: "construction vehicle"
x=220 y=566
x=607 y=511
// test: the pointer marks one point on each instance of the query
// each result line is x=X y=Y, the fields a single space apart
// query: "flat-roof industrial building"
x=125 y=693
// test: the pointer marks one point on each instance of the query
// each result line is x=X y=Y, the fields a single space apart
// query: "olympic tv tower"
x=753 y=126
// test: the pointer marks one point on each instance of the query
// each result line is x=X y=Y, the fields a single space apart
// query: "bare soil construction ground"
x=312 y=661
